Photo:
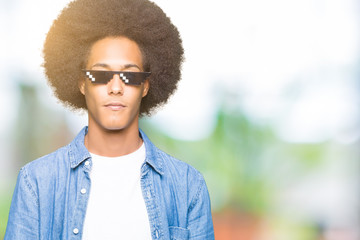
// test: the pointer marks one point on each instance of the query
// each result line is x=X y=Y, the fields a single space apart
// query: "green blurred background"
x=267 y=110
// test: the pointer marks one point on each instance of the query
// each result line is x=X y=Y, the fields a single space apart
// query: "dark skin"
x=113 y=108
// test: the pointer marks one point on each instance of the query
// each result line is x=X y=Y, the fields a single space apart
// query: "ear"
x=146 y=87
x=81 y=85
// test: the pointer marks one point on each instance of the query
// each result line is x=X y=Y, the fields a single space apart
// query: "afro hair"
x=83 y=22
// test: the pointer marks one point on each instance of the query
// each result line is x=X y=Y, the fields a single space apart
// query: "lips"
x=115 y=106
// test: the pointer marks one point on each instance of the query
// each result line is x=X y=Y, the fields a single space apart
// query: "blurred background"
x=267 y=110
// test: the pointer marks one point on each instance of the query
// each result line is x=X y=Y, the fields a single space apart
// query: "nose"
x=116 y=85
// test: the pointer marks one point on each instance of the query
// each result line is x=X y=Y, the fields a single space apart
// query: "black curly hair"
x=83 y=22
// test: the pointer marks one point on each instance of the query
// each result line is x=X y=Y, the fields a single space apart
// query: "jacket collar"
x=153 y=157
x=79 y=153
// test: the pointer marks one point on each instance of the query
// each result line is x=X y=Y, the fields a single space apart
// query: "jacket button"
x=83 y=191
x=87 y=163
x=156 y=233
x=76 y=231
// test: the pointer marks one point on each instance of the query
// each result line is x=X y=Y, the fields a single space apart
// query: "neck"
x=112 y=143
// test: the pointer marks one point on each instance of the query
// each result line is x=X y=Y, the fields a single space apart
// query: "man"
x=118 y=59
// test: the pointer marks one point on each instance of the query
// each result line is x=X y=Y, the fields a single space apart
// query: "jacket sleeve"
x=23 y=222
x=200 y=221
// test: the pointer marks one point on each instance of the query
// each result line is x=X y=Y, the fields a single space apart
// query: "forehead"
x=115 y=52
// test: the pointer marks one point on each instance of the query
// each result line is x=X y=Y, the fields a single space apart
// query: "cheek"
x=138 y=97
x=134 y=94
x=94 y=94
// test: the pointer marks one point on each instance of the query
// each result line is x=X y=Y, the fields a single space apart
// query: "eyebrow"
x=126 y=66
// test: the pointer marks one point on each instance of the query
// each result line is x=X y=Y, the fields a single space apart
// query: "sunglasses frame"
x=103 y=77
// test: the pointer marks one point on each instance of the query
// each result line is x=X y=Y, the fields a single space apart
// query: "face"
x=114 y=105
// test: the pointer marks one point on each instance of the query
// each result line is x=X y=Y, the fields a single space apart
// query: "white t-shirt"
x=116 y=207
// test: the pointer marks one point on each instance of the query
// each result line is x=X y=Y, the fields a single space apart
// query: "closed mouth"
x=115 y=106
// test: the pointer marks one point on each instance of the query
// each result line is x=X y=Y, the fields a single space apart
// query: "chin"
x=116 y=126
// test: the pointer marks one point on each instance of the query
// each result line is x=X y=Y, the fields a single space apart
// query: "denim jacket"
x=51 y=195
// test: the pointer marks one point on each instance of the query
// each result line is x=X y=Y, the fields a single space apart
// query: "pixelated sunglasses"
x=103 y=77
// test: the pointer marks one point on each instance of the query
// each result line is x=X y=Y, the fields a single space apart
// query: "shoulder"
x=35 y=177
x=170 y=167
x=60 y=160
x=49 y=164
x=178 y=167
x=186 y=179
x=183 y=175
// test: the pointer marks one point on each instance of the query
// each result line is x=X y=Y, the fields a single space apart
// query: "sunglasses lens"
x=101 y=77
x=133 y=78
